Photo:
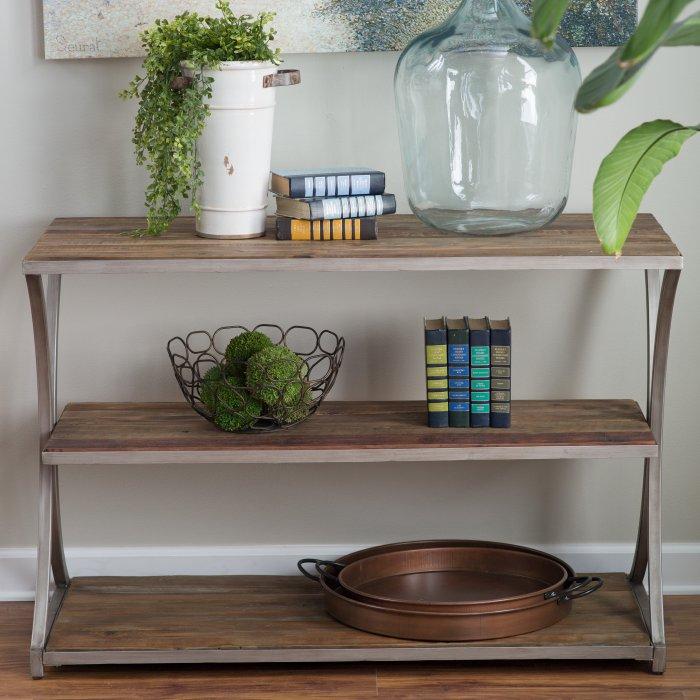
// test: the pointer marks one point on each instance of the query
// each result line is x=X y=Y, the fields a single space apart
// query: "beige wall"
x=66 y=151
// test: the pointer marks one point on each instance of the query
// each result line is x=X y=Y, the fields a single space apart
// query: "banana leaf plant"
x=629 y=169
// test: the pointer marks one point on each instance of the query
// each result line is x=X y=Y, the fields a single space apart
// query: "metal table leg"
x=53 y=300
x=660 y=299
x=639 y=566
x=50 y=555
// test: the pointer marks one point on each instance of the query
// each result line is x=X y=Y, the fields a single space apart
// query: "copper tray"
x=449 y=590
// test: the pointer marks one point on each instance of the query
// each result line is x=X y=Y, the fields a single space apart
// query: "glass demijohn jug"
x=486 y=121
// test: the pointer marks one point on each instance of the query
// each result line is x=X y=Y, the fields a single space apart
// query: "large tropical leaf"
x=627 y=172
x=656 y=21
x=610 y=81
x=546 y=17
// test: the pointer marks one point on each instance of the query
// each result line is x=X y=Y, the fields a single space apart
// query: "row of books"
x=467 y=367
x=337 y=204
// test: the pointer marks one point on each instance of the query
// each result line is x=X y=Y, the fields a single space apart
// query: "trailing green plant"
x=173 y=110
x=629 y=169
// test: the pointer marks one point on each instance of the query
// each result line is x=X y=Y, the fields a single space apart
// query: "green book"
x=479 y=372
x=436 y=372
x=500 y=374
x=458 y=372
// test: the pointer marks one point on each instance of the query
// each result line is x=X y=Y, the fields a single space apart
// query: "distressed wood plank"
x=164 y=613
x=75 y=245
x=347 y=431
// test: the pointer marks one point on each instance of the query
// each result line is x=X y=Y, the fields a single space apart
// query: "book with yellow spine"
x=436 y=372
x=328 y=230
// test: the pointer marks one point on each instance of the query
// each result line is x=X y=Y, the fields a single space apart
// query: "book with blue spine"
x=458 y=372
x=435 y=332
x=353 y=207
x=479 y=372
x=341 y=181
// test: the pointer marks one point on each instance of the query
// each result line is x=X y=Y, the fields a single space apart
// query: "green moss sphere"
x=236 y=409
x=208 y=386
x=232 y=407
x=242 y=348
x=296 y=412
x=275 y=376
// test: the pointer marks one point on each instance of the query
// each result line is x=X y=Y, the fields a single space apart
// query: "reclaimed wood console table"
x=188 y=619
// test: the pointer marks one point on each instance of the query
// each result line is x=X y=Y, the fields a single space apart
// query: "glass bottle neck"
x=486 y=10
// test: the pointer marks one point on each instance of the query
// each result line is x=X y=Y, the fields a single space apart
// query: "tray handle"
x=320 y=571
x=576 y=587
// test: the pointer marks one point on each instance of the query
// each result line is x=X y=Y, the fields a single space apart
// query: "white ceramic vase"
x=235 y=148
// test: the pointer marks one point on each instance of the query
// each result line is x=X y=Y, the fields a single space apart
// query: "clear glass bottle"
x=486 y=121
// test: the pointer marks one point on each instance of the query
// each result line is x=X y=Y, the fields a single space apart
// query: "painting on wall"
x=107 y=28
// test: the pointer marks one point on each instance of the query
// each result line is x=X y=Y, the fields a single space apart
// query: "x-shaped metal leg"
x=647 y=559
x=44 y=301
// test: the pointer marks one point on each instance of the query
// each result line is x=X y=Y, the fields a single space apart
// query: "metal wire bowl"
x=224 y=397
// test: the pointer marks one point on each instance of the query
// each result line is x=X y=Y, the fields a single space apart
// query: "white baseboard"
x=681 y=562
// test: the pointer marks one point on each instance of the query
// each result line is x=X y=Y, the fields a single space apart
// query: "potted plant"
x=204 y=124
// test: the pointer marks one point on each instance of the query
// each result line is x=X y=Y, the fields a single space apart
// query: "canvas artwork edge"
x=111 y=28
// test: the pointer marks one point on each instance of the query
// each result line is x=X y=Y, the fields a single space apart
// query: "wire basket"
x=247 y=396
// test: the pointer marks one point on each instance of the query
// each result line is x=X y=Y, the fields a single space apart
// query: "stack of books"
x=336 y=204
x=467 y=369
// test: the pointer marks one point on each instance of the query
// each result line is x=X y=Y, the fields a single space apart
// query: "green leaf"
x=606 y=84
x=546 y=18
x=610 y=81
x=656 y=21
x=685 y=33
x=627 y=172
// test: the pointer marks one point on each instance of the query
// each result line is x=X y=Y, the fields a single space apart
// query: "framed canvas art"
x=110 y=28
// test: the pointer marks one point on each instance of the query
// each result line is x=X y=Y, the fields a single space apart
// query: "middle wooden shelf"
x=347 y=431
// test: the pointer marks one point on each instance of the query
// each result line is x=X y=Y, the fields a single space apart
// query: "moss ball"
x=275 y=376
x=235 y=409
x=296 y=412
x=208 y=386
x=242 y=348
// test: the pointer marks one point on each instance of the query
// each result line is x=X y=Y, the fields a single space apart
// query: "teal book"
x=479 y=372
x=436 y=372
x=458 y=372
x=500 y=373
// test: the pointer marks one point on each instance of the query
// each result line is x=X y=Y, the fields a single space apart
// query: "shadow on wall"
x=82 y=96
x=38 y=35
x=576 y=341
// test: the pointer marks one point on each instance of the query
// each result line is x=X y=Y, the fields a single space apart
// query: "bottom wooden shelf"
x=190 y=619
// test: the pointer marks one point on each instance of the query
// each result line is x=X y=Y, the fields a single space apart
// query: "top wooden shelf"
x=97 y=245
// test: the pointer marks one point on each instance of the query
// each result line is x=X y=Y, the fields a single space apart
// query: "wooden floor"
x=390 y=680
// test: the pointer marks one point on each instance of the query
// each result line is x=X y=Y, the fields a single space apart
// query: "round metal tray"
x=449 y=590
